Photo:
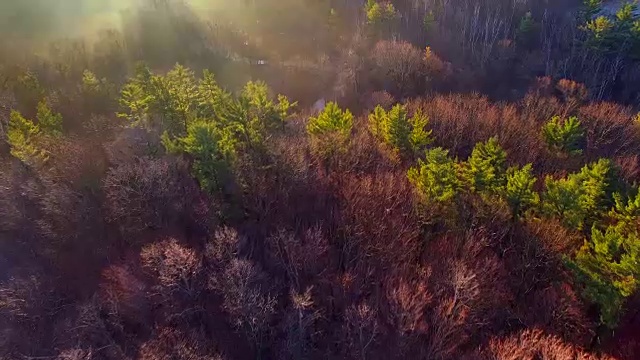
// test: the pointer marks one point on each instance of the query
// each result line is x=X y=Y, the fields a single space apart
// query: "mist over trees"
x=332 y=179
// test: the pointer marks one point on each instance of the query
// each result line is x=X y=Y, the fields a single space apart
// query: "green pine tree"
x=436 y=177
x=165 y=103
x=212 y=149
x=380 y=17
x=519 y=191
x=137 y=97
x=486 y=167
x=49 y=122
x=564 y=136
x=405 y=135
x=591 y=8
x=526 y=31
x=263 y=114
x=379 y=116
x=212 y=100
x=396 y=129
x=581 y=197
x=330 y=131
x=22 y=136
x=99 y=94
x=607 y=266
x=420 y=137
x=626 y=213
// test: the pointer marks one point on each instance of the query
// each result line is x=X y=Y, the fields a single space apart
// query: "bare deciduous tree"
x=362 y=328
x=247 y=300
x=149 y=193
x=177 y=268
x=535 y=344
x=398 y=67
x=173 y=344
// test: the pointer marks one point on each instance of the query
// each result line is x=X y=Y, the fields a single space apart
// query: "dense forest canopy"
x=298 y=179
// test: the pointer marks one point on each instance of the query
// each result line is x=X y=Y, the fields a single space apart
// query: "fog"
x=68 y=18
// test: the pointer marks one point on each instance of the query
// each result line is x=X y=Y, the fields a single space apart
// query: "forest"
x=319 y=179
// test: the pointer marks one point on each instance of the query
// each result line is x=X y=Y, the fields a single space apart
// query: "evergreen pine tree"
x=404 y=135
x=213 y=150
x=581 y=197
x=330 y=130
x=435 y=177
x=564 y=136
x=607 y=266
x=485 y=168
x=519 y=191
x=48 y=122
x=22 y=137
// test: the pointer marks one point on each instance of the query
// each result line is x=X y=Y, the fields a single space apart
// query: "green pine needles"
x=22 y=135
x=580 y=197
x=381 y=17
x=519 y=191
x=405 y=135
x=485 y=169
x=49 y=122
x=200 y=119
x=25 y=137
x=436 y=177
x=564 y=136
x=212 y=149
x=330 y=131
x=607 y=266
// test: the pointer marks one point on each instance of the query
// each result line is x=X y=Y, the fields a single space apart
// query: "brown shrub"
x=558 y=310
x=625 y=342
x=530 y=264
x=380 y=224
x=572 y=92
x=76 y=354
x=82 y=326
x=538 y=107
x=131 y=144
x=14 y=200
x=382 y=98
x=248 y=301
x=362 y=329
x=398 y=67
x=122 y=294
x=25 y=300
x=300 y=258
x=176 y=267
x=24 y=297
x=365 y=155
x=69 y=201
x=300 y=326
x=222 y=249
x=68 y=215
x=532 y=256
x=460 y=121
x=79 y=162
x=150 y=194
x=292 y=193
x=542 y=87
x=629 y=168
x=173 y=344
x=553 y=237
x=435 y=67
x=408 y=303
x=535 y=344
x=439 y=311
x=471 y=285
x=611 y=130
